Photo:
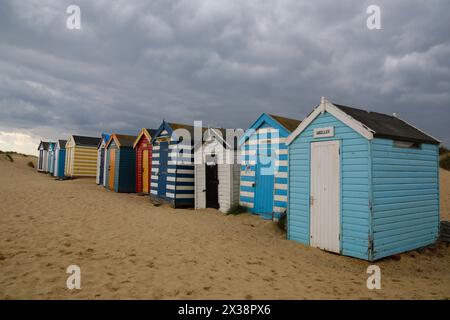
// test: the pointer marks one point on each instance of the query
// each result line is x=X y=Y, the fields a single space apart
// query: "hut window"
x=406 y=144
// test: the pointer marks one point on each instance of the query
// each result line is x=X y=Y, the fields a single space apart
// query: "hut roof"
x=122 y=140
x=86 y=141
x=387 y=126
x=288 y=123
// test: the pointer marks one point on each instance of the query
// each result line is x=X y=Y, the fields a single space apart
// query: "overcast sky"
x=134 y=63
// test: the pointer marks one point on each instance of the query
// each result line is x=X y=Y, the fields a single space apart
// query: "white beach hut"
x=217 y=171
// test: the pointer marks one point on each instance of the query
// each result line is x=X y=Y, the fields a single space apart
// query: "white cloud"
x=19 y=142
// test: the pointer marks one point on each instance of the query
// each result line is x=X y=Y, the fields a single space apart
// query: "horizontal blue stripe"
x=180 y=167
x=246 y=199
x=247 y=189
x=180 y=175
x=281 y=180
x=281 y=204
x=185 y=201
x=183 y=191
x=279 y=192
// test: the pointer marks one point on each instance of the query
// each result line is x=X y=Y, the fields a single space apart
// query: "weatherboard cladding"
x=51 y=157
x=144 y=143
x=125 y=161
x=101 y=158
x=81 y=158
x=228 y=173
x=266 y=127
x=180 y=179
x=60 y=158
x=43 y=157
x=389 y=195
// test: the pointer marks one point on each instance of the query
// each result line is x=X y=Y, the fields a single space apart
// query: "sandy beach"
x=129 y=249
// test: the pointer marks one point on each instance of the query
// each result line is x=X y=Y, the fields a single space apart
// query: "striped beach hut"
x=60 y=158
x=217 y=170
x=121 y=160
x=264 y=169
x=101 y=159
x=81 y=156
x=143 y=148
x=51 y=157
x=362 y=184
x=172 y=179
x=43 y=156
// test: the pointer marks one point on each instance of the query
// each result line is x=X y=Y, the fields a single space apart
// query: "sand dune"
x=127 y=248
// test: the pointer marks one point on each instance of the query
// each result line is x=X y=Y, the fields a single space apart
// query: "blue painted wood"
x=162 y=173
x=61 y=162
x=354 y=193
x=405 y=197
x=126 y=178
x=102 y=165
x=389 y=195
x=264 y=189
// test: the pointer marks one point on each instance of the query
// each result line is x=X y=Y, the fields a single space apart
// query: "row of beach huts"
x=349 y=181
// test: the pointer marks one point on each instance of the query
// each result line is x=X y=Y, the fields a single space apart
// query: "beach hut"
x=60 y=158
x=81 y=156
x=264 y=165
x=143 y=149
x=121 y=160
x=51 y=157
x=217 y=171
x=172 y=178
x=43 y=156
x=101 y=157
x=362 y=184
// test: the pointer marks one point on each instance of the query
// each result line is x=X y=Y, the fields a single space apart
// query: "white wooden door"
x=325 y=196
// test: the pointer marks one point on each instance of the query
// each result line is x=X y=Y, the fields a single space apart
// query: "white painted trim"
x=281 y=174
x=247 y=174
x=247 y=194
x=185 y=187
x=326 y=106
x=246 y=183
x=246 y=204
x=184 y=196
x=279 y=198
x=281 y=151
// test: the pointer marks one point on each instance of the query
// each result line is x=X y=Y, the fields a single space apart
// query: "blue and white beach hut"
x=264 y=165
x=172 y=178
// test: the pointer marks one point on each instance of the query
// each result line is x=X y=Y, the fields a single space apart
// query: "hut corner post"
x=370 y=255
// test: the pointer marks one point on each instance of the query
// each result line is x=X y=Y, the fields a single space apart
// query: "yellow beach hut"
x=81 y=156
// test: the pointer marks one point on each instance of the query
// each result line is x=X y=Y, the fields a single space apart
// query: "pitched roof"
x=62 y=143
x=387 y=126
x=288 y=123
x=44 y=144
x=189 y=128
x=366 y=123
x=125 y=140
x=86 y=141
x=151 y=131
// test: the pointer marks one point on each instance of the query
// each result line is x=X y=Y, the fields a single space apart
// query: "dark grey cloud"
x=134 y=63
